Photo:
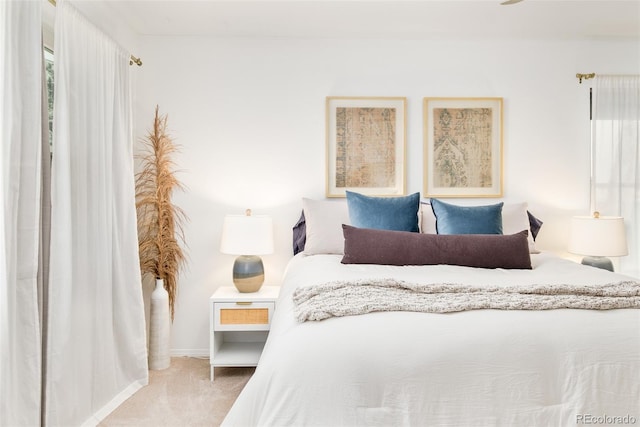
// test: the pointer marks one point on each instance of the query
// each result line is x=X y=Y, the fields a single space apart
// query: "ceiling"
x=550 y=19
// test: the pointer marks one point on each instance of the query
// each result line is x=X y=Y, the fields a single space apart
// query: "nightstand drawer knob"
x=244 y=303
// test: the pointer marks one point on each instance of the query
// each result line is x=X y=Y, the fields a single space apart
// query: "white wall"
x=249 y=114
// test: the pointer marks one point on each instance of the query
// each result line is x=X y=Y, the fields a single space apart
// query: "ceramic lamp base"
x=248 y=273
x=599 y=262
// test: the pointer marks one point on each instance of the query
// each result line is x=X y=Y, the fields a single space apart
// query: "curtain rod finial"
x=136 y=61
x=585 y=76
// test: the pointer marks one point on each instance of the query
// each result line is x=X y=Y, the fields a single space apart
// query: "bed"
x=471 y=367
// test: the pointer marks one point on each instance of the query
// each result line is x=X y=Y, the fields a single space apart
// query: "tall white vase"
x=159 y=328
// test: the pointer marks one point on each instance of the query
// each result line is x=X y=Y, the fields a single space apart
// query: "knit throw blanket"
x=347 y=298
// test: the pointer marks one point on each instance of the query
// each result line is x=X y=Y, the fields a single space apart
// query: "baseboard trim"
x=190 y=352
x=117 y=400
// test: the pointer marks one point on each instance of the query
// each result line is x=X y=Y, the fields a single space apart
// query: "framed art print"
x=366 y=145
x=462 y=147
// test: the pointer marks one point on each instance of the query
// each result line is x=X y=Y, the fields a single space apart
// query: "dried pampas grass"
x=160 y=232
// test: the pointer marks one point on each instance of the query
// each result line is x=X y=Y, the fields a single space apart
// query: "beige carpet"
x=182 y=396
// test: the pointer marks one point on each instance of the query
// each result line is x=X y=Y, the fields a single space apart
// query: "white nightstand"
x=239 y=324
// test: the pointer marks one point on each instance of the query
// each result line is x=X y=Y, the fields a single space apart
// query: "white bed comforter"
x=481 y=367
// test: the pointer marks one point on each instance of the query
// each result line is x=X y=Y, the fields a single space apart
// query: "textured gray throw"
x=346 y=298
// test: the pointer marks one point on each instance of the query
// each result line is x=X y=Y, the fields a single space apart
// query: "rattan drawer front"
x=247 y=316
x=240 y=316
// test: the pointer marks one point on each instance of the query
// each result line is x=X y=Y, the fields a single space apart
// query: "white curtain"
x=97 y=353
x=616 y=157
x=20 y=192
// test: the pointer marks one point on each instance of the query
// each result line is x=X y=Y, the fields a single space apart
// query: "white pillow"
x=324 y=219
x=514 y=220
x=428 y=220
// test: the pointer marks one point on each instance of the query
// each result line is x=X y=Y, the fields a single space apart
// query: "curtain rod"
x=132 y=60
x=585 y=76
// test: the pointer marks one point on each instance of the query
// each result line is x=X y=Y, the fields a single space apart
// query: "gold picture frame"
x=463 y=147
x=366 y=145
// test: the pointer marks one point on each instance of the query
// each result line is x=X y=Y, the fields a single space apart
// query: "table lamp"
x=247 y=236
x=598 y=237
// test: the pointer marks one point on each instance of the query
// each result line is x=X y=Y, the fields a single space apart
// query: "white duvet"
x=483 y=367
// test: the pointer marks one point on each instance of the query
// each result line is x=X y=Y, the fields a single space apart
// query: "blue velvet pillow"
x=384 y=213
x=454 y=219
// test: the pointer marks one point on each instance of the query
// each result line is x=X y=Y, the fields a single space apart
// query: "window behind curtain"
x=48 y=69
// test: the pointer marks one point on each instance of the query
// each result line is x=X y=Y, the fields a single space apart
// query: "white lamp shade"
x=603 y=236
x=247 y=235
